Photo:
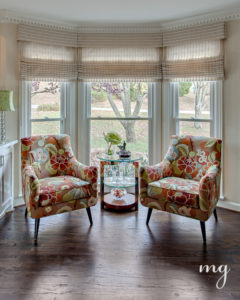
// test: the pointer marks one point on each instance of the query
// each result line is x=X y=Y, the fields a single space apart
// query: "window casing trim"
x=68 y=111
x=154 y=122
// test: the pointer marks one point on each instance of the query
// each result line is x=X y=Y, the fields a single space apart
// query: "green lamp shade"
x=6 y=101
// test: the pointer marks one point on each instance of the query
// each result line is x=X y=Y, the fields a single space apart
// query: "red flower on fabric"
x=46 y=199
x=187 y=164
x=208 y=184
x=153 y=173
x=185 y=198
x=167 y=171
x=91 y=173
x=181 y=197
x=171 y=195
x=59 y=162
x=27 y=141
x=47 y=189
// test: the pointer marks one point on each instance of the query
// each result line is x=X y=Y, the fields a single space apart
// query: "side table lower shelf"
x=126 y=204
x=130 y=200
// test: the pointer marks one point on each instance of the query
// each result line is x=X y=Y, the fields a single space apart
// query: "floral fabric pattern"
x=62 y=189
x=53 y=177
x=176 y=190
x=177 y=184
x=149 y=174
x=187 y=181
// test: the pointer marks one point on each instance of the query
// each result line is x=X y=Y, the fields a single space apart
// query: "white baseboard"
x=229 y=205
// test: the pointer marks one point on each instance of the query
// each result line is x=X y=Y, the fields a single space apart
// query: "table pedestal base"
x=124 y=204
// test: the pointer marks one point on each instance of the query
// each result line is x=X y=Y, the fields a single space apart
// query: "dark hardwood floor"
x=119 y=257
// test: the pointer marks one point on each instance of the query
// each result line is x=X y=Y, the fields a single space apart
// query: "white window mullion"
x=212 y=108
x=155 y=125
x=218 y=125
x=168 y=120
x=63 y=108
x=83 y=123
x=69 y=104
x=217 y=110
x=25 y=109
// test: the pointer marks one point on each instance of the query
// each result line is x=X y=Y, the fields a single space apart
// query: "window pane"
x=44 y=128
x=45 y=100
x=194 y=99
x=194 y=128
x=119 y=100
x=136 y=132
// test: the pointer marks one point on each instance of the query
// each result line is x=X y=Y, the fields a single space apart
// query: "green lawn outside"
x=100 y=126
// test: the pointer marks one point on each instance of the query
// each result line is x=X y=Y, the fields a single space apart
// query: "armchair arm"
x=149 y=174
x=209 y=189
x=86 y=173
x=31 y=187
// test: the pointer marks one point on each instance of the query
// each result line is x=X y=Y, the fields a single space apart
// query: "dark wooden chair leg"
x=89 y=215
x=37 y=221
x=149 y=215
x=215 y=214
x=203 y=231
x=26 y=212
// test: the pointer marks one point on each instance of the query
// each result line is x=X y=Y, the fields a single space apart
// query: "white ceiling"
x=116 y=10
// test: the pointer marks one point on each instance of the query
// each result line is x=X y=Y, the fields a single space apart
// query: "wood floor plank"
x=119 y=257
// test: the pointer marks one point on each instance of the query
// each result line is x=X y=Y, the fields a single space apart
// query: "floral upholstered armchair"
x=187 y=181
x=53 y=180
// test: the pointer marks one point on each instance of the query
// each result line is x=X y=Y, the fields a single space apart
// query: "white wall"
x=231 y=114
x=231 y=100
x=9 y=81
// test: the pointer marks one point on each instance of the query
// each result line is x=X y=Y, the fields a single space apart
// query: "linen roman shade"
x=120 y=64
x=47 y=54
x=192 y=53
x=120 y=56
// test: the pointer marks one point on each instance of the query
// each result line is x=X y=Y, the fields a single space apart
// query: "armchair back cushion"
x=191 y=156
x=48 y=155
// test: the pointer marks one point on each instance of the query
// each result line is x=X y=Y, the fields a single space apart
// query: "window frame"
x=149 y=118
x=84 y=121
x=177 y=119
x=67 y=117
x=116 y=118
x=170 y=92
x=61 y=119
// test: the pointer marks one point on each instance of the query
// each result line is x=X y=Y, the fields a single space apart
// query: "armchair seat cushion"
x=62 y=189
x=174 y=189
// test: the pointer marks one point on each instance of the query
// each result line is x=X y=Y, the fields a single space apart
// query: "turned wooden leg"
x=203 y=231
x=102 y=192
x=89 y=215
x=26 y=212
x=37 y=221
x=215 y=214
x=149 y=215
x=136 y=206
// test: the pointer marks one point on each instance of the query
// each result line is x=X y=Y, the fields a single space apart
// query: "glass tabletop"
x=115 y=157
